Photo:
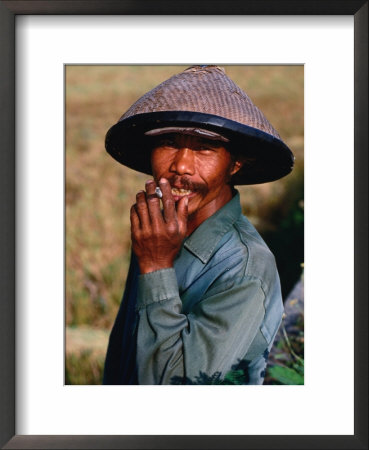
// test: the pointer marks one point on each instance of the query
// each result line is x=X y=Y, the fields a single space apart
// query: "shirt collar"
x=204 y=240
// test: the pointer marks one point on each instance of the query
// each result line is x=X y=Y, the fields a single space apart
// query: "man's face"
x=195 y=167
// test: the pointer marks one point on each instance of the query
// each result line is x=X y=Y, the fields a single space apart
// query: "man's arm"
x=214 y=336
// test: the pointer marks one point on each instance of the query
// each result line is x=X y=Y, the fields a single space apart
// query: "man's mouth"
x=179 y=193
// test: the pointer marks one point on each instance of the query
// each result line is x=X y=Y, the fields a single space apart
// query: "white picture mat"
x=324 y=405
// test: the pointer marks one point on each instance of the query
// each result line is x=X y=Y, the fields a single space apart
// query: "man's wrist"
x=160 y=285
x=149 y=268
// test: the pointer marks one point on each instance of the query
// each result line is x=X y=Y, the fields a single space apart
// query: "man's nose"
x=184 y=162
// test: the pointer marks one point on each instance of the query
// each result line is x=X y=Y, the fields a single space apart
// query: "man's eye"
x=205 y=149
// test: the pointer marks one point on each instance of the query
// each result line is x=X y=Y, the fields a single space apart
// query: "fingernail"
x=149 y=181
x=163 y=181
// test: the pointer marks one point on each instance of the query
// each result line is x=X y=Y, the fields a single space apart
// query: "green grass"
x=84 y=361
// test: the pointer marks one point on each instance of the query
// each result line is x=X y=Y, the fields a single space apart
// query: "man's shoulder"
x=245 y=247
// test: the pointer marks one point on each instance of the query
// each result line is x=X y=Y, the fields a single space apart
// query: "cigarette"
x=158 y=192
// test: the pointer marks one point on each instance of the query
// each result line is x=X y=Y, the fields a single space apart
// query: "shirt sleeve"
x=213 y=337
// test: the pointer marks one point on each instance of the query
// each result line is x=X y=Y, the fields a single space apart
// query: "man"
x=202 y=300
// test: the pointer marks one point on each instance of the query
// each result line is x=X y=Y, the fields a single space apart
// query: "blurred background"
x=99 y=192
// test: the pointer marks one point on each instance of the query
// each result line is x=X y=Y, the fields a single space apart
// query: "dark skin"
x=193 y=174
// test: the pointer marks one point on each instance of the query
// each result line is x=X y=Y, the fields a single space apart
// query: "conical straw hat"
x=203 y=97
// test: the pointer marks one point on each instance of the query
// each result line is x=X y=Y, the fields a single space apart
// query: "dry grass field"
x=99 y=192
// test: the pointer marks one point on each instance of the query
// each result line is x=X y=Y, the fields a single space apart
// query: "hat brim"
x=271 y=158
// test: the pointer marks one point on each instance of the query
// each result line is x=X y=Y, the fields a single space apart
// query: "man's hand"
x=156 y=236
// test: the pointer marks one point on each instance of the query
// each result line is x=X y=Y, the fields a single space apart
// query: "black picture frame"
x=8 y=10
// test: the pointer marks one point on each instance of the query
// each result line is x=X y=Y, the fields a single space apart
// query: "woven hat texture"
x=203 y=96
x=203 y=89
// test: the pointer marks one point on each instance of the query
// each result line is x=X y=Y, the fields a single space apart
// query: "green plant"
x=288 y=361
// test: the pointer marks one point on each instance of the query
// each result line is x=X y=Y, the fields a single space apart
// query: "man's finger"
x=168 y=201
x=142 y=210
x=153 y=203
x=182 y=214
x=135 y=221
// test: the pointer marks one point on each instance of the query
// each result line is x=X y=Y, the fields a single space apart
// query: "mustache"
x=188 y=184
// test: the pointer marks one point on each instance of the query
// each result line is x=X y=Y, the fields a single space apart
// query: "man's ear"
x=236 y=167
